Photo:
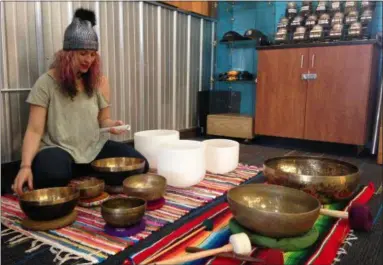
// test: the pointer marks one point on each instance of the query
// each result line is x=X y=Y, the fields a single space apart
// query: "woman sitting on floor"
x=69 y=104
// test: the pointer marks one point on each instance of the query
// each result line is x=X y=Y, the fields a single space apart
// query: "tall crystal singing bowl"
x=272 y=210
x=327 y=179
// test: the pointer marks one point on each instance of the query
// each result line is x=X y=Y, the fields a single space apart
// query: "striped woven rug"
x=86 y=239
x=334 y=235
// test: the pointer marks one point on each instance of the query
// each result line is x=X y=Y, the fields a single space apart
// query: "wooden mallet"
x=207 y=225
x=238 y=243
x=359 y=216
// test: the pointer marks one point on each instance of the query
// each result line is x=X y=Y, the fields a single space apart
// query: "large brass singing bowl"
x=50 y=203
x=149 y=187
x=327 y=179
x=118 y=164
x=90 y=188
x=123 y=212
x=272 y=210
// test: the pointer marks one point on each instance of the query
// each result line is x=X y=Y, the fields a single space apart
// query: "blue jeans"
x=54 y=167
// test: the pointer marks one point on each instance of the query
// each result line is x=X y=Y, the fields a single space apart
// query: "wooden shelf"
x=205 y=8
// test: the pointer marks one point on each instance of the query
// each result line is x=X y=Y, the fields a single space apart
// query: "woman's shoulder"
x=46 y=79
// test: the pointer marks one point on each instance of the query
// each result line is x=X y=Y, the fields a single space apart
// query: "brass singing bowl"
x=149 y=187
x=327 y=179
x=90 y=188
x=272 y=210
x=50 y=203
x=118 y=164
x=123 y=212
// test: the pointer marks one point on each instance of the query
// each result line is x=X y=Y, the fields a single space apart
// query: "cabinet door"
x=337 y=100
x=281 y=93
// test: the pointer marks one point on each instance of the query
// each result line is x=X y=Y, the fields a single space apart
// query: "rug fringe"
x=13 y=239
x=65 y=258
x=34 y=247
x=342 y=250
x=7 y=231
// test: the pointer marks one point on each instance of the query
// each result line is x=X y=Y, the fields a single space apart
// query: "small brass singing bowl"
x=149 y=187
x=50 y=203
x=118 y=164
x=123 y=212
x=327 y=179
x=272 y=210
x=90 y=188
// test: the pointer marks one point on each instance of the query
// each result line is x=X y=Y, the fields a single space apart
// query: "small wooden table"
x=230 y=125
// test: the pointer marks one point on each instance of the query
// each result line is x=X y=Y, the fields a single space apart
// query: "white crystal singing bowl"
x=222 y=156
x=182 y=163
x=148 y=143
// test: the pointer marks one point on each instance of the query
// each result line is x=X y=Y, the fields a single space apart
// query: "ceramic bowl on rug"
x=149 y=187
x=148 y=143
x=50 y=203
x=123 y=212
x=115 y=169
x=272 y=210
x=182 y=163
x=222 y=156
x=327 y=179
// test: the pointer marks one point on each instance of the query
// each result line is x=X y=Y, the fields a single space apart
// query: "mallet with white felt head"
x=359 y=216
x=238 y=243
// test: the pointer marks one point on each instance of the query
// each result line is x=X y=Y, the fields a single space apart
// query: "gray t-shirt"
x=71 y=124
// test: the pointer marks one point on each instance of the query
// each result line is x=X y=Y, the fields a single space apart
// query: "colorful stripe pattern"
x=332 y=234
x=86 y=238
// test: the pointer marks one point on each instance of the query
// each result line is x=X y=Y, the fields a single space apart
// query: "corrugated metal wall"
x=156 y=59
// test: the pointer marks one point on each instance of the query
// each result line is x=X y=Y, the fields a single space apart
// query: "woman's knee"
x=52 y=167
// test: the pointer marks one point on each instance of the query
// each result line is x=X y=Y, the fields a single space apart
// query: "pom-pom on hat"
x=80 y=34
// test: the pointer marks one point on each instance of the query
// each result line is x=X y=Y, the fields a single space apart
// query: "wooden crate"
x=230 y=125
x=380 y=151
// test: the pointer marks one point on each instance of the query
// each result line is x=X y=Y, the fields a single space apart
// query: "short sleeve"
x=39 y=94
x=102 y=102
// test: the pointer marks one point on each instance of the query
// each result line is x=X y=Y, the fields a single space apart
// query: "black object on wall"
x=216 y=102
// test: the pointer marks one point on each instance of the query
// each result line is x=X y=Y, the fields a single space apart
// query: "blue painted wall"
x=264 y=16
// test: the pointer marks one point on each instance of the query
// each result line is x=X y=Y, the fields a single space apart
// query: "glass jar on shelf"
x=291 y=10
x=321 y=7
x=306 y=9
x=338 y=18
x=355 y=31
x=300 y=34
x=350 y=6
x=317 y=33
x=335 y=6
x=311 y=21
x=336 y=32
x=282 y=36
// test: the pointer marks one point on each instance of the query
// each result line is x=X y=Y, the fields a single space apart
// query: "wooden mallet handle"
x=195 y=256
x=359 y=216
x=334 y=213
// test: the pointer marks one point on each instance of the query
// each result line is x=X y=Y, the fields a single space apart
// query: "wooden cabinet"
x=316 y=93
x=281 y=93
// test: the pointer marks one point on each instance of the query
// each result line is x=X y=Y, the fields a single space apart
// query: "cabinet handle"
x=302 y=57
x=313 y=61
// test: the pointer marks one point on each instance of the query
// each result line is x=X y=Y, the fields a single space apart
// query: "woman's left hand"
x=117 y=131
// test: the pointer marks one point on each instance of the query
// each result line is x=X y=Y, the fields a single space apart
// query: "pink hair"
x=63 y=64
